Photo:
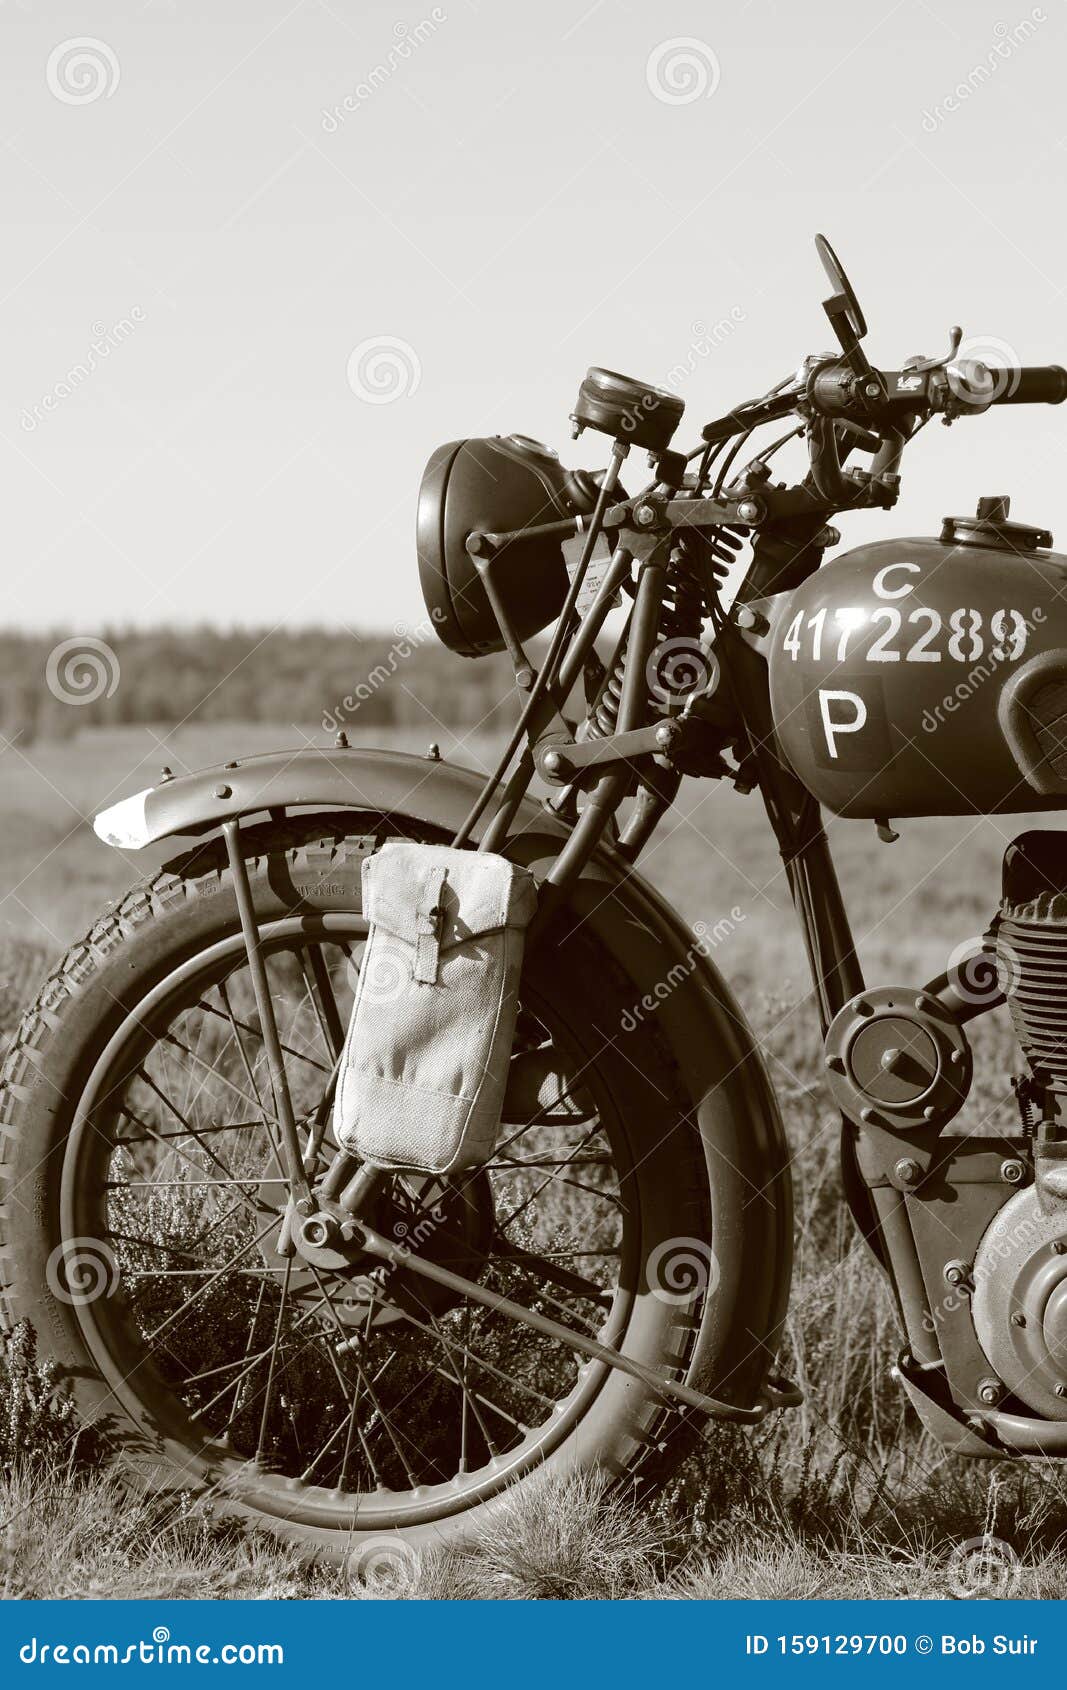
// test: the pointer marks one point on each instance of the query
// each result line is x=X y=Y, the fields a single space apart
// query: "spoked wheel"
x=331 y=1395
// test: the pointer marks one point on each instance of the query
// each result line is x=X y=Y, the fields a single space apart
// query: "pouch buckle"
x=429 y=927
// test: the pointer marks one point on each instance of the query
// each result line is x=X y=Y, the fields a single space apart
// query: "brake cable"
x=729 y=459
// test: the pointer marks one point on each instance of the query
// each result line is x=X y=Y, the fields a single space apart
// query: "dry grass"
x=844 y=1497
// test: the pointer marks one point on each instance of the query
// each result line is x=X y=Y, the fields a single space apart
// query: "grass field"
x=842 y=1497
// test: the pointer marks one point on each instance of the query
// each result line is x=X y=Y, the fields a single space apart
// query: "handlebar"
x=1035 y=384
x=877 y=411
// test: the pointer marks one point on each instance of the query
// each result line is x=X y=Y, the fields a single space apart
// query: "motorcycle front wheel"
x=361 y=1407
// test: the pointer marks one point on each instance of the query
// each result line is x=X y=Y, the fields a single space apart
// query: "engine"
x=1019 y=1274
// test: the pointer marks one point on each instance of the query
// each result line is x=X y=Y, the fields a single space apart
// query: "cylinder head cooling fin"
x=1032 y=950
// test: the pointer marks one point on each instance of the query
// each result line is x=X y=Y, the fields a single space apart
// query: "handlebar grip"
x=1037 y=384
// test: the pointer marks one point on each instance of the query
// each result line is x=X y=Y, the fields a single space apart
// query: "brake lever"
x=746 y=417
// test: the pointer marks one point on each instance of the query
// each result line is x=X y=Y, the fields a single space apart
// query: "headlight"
x=494 y=485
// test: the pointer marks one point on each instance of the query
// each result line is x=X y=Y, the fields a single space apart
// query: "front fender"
x=722 y=1073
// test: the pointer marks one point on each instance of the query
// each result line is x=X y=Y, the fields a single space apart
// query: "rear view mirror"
x=842 y=308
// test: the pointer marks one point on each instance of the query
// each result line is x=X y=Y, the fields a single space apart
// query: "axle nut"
x=907 y=1171
x=990 y=1392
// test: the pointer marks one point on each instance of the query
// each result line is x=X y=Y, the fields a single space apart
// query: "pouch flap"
x=415 y=890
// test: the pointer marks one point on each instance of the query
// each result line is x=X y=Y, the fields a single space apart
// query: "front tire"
x=144 y=1022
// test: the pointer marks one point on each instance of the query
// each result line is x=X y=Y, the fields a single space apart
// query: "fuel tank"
x=928 y=677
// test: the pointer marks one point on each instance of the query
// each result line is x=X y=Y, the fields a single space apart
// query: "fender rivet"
x=222 y=792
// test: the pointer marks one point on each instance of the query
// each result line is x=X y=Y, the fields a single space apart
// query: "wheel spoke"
x=190 y=1130
x=535 y=1263
x=510 y=1166
x=246 y=1027
x=535 y=1194
x=269 y=1122
x=283 y=1303
x=215 y=1277
x=460 y=1377
x=324 y=1003
x=384 y=1418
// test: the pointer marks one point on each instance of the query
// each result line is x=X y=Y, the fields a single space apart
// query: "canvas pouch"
x=425 y=1060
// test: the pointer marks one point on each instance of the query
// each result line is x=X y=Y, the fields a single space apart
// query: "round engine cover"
x=897 y=1058
x=920 y=677
x=1019 y=1302
x=495 y=485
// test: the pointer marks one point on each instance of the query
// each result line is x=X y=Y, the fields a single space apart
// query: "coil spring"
x=681 y=618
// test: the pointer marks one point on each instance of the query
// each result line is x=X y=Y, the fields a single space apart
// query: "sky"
x=260 y=258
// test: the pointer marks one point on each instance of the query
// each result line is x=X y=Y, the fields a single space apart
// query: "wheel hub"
x=449 y=1224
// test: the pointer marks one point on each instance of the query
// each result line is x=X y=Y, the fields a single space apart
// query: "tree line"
x=52 y=685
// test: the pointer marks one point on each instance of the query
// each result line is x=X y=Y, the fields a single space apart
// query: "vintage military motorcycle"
x=368 y=1362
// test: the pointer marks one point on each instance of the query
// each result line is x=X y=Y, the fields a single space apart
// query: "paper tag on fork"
x=599 y=564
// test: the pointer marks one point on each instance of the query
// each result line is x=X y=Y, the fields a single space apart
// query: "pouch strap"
x=429 y=925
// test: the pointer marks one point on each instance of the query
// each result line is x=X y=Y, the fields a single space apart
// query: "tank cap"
x=990 y=527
